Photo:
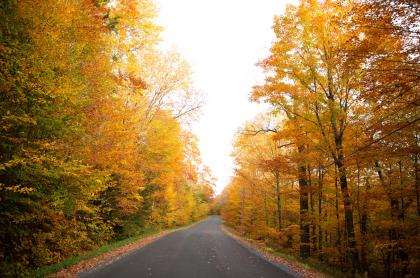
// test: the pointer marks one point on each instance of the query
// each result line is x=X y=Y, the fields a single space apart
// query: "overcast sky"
x=222 y=40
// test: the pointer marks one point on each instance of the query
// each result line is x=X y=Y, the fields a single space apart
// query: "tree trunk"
x=243 y=211
x=311 y=202
x=279 y=214
x=348 y=213
x=337 y=215
x=364 y=231
x=305 y=250
x=416 y=183
x=320 y=183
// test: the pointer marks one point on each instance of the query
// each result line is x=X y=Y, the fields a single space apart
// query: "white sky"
x=222 y=40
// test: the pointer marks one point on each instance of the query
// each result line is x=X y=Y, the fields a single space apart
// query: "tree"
x=82 y=163
x=348 y=106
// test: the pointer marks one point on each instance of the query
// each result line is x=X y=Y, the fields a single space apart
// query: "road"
x=200 y=251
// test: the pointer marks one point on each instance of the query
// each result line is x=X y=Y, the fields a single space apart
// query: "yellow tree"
x=312 y=82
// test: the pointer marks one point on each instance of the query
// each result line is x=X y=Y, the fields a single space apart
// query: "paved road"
x=201 y=251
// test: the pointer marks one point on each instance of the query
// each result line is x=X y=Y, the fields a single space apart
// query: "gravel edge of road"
x=98 y=262
x=289 y=267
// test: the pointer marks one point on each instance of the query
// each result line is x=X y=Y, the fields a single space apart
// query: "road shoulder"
x=108 y=257
x=293 y=268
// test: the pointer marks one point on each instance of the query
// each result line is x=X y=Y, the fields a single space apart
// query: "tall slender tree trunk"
x=243 y=211
x=402 y=254
x=312 y=206
x=337 y=215
x=417 y=182
x=363 y=218
x=364 y=229
x=305 y=250
x=320 y=184
x=279 y=213
x=348 y=214
x=348 y=210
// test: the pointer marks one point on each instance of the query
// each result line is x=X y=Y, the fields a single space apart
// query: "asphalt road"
x=201 y=251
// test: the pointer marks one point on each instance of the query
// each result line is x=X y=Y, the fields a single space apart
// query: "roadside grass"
x=309 y=264
x=50 y=269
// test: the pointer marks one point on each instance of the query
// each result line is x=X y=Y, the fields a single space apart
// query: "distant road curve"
x=201 y=251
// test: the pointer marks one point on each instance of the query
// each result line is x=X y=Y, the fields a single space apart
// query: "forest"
x=331 y=173
x=97 y=144
x=95 y=138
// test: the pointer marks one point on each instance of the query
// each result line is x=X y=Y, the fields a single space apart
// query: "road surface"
x=200 y=251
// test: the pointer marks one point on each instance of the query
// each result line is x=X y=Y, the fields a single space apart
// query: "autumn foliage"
x=332 y=173
x=94 y=144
